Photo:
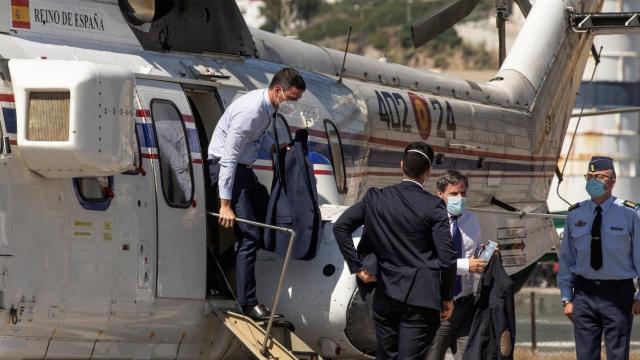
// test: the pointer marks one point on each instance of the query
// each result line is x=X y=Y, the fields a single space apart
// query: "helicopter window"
x=336 y=155
x=174 y=153
x=282 y=129
x=94 y=193
x=137 y=156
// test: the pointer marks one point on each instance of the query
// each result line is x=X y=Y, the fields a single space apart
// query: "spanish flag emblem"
x=422 y=115
x=20 y=18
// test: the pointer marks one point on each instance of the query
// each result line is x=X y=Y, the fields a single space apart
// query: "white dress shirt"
x=239 y=136
x=470 y=230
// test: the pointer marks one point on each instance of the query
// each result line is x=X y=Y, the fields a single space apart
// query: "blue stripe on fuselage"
x=10 y=122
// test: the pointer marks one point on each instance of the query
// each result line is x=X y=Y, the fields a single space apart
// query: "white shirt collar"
x=270 y=108
x=415 y=182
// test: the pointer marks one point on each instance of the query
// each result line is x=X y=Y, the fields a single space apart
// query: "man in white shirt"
x=239 y=135
x=465 y=231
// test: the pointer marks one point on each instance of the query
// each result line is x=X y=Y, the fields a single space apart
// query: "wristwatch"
x=565 y=302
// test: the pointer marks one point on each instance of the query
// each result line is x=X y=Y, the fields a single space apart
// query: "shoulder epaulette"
x=574 y=206
x=630 y=204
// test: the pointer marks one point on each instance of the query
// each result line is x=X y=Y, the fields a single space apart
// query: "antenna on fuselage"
x=344 y=58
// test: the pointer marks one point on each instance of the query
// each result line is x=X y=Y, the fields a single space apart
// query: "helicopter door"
x=177 y=165
x=7 y=128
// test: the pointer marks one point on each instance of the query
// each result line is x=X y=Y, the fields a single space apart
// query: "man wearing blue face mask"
x=465 y=231
x=599 y=258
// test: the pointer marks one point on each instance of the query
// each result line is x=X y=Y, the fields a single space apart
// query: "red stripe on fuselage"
x=143 y=113
x=438 y=173
x=400 y=143
x=7 y=98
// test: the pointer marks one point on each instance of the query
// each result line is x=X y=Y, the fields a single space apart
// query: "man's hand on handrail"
x=227 y=216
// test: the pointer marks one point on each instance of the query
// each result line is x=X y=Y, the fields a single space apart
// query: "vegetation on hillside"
x=380 y=28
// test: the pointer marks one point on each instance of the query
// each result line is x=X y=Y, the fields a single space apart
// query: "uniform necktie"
x=596 y=240
x=457 y=242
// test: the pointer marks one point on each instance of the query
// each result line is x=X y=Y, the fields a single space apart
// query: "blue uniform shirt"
x=620 y=231
x=239 y=135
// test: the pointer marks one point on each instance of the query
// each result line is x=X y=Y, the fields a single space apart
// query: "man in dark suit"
x=407 y=230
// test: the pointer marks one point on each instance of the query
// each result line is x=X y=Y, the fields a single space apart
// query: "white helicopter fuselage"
x=122 y=273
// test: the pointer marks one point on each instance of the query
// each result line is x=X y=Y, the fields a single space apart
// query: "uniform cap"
x=599 y=163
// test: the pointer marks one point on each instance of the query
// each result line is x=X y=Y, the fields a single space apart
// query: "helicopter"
x=108 y=246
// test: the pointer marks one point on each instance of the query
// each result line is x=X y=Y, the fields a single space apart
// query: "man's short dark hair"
x=288 y=78
x=414 y=163
x=451 y=177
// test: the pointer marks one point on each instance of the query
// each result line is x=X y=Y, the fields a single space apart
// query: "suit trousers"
x=453 y=333
x=602 y=307
x=402 y=331
x=249 y=201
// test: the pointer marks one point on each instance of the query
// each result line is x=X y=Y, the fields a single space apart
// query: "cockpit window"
x=175 y=156
x=336 y=155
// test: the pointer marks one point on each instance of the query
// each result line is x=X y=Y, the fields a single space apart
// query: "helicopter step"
x=606 y=23
x=282 y=343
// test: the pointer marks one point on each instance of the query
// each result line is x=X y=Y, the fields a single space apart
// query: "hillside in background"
x=381 y=29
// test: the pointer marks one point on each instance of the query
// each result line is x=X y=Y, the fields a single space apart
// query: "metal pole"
x=618 y=110
x=502 y=46
x=532 y=306
x=285 y=266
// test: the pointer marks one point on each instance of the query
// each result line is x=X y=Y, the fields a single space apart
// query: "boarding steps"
x=283 y=345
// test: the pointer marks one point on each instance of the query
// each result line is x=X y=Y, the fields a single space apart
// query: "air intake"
x=48 y=116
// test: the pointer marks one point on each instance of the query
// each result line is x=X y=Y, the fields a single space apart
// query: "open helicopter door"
x=174 y=150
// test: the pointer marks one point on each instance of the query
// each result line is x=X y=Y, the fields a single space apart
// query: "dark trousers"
x=599 y=308
x=402 y=331
x=249 y=201
x=453 y=333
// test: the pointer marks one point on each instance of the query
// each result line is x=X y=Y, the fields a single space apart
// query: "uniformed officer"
x=599 y=258
x=239 y=135
x=407 y=230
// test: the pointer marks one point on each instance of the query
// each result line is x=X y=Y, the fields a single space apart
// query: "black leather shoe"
x=258 y=313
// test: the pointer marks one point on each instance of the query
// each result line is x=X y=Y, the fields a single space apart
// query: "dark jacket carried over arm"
x=493 y=330
x=407 y=230
x=294 y=203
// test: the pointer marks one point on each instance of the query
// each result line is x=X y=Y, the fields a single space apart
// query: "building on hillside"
x=251 y=11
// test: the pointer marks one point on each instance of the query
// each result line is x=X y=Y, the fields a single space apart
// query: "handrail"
x=285 y=266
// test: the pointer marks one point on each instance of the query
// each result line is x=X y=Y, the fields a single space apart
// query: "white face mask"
x=285 y=106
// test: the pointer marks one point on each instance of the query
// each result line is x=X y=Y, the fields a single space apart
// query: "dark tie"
x=457 y=242
x=596 y=240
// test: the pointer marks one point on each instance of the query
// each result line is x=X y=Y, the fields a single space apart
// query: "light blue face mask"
x=595 y=188
x=455 y=205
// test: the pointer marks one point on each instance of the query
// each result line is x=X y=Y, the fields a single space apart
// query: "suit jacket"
x=493 y=330
x=294 y=203
x=407 y=230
